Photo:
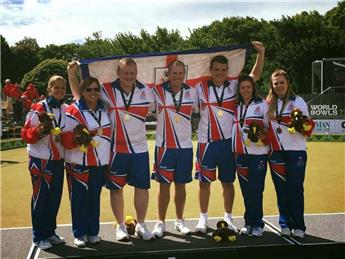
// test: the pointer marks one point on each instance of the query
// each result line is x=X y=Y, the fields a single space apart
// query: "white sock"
x=227 y=215
x=204 y=216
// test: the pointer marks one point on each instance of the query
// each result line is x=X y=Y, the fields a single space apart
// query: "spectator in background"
x=30 y=96
x=13 y=92
x=31 y=92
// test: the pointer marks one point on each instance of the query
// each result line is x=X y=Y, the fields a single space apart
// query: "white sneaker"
x=257 y=232
x=230 y=224
x=285 y=232
x=80 y=241
x=298 y=233
x=158 y=229
x=55 y=240
x=143 y=232
x=201 y=226
x=246 y=230
x=121 y=233
x=181 y=227
x=93 y=239
x=43 y=244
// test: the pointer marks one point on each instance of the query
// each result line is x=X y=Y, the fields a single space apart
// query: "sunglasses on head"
x=92 y=89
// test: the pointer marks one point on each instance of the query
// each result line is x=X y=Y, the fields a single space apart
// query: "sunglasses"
x=88 y=90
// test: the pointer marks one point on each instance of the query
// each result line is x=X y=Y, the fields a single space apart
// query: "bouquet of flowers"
x=301 y=123
x=130 y=222
x=83 y=138
x=256 y=133
x=223 y=233
x=46 y=124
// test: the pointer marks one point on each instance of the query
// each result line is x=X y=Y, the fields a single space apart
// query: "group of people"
x=19 y=102
x=101 y=138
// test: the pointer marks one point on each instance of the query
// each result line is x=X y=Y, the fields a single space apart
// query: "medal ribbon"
x=127 y=104
x=179 y=102
x=242 y=117
x=279 y=115
x=219 y=100
x=57 y=122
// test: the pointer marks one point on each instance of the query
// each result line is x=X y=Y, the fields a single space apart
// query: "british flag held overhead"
x=152 y=66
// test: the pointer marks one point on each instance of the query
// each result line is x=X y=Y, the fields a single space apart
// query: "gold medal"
x=99 y=132
x=127 y=117
x=220 y=113
x=241 y=134
x=177 y=118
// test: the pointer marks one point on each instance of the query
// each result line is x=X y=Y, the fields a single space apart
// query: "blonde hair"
x=124 y=62
x=272 y=97
x=53 y=80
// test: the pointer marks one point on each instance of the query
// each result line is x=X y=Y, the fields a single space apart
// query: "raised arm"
x=74 y=83
x=259 y=63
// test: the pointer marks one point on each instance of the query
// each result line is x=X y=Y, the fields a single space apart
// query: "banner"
x=325 y=110
x=152 y=66
x=329 y=127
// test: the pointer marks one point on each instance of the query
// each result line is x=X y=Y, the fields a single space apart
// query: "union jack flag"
x=152 y=67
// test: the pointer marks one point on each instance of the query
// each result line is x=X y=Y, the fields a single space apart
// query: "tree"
x=25 y=57
x=304 y=38
x=162 y=40
x=43 y=71
x=7 y=60
x=336 y=16
x=65 y=52
x=95 y=47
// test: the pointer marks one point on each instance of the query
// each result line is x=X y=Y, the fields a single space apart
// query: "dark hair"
x=176 y=63
x=87 y=82
x=219 y=59
x=243 y=78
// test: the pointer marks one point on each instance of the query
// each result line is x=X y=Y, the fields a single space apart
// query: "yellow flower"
x=217 y=238
x=259 y=143
x=86 y=131
x=306 y=127
x=83 y=148
x=94 y=143
x=232 y=238
x=247 y=142
x=292 y=130
x=51 y=115
x=129 y=219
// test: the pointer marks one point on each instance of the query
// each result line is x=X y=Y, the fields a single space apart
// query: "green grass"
x=324 y=189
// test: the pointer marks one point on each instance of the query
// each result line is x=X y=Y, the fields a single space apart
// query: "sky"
x=71 y=21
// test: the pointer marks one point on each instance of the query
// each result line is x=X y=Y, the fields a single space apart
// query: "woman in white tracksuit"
x=288 y=156
x=251 y=153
